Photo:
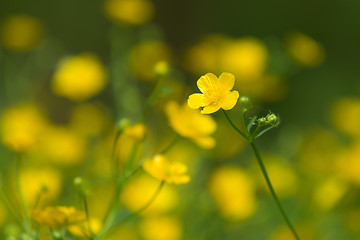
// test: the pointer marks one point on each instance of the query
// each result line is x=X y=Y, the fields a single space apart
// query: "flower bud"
x=262 y=121
x=122 y=124
x=244 y=100
x=272 y=119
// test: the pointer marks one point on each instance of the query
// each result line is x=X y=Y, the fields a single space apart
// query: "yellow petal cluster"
x=138 y=191
x=215 y=94
x=171 y=172
x=305 y=50
x=233 y=192
x=21 y=33
x=190 y=123
x=79 y=77
x=58 y=216
x=161 y=228
x=129 y=12
x=21 y=126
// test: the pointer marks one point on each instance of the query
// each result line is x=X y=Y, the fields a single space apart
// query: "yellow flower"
x=234 y=192
x=131 y=12
x=190 y=123
x=145 y=56
x=58 y=216
x=21 y=126
x=81 y=229
x=171 y=172
x=246 y=57
x=136 y=132
x=33 y=181
x=215 y=93
x=21 y=33
x=161 y=228
x=139 y=190
x=305 y=50
x=80 y=77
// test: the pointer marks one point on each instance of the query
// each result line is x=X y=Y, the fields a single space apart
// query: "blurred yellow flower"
x=190 y=123
x=205 y=56
x=79 y=77
x=139 y=191
x=46 y=182
x=348 y=163
x=161 y=168
x=136 y=132
x=21 y=126
x=245 y=57
x=305 y=50
x=82 y=230
x=282 y=176
x=329 y=192
x=215 y=93
x=59 y=216
x=161 y=228
x=21 y=33
x=62 y=146
x=144 y=58
x=130 y=12
x=345 y=116
x=234 y=192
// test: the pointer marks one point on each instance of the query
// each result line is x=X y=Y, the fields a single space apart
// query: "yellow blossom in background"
x=21 y=126
x=21 y=33
x=129 y=12
x=136 y=132
x=81 y=229
x=205 y=56
x=234 y=192
x=345 y=116
x=58 y=216
x=245 y=57
x=145 y=56
x=190 y=123
x=161 y=168
x=216 y=93
x=46 y=182
x=329 y=192
x=348 y=163
x=282 y=176
x=161 y=228
x=305 y=50
x=139 y=191
x=90 y=119
x=62 y=146
x=79 y=77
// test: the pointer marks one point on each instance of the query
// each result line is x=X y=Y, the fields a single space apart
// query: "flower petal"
x=227 y=81
x=205 y=142
x=210 y=109
x=196 y=100
x=230 y=100
x=207 y=83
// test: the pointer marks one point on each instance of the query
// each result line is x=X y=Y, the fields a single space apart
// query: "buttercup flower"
x=58 y=216
x=190 y=123
x=216 y=93
x=171 y=172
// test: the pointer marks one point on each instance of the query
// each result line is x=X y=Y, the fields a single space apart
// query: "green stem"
x=272 y=191
x=148 y=204
x=265 y=174
x=170 y=145
x=25 y=216
x=233 y=125
x=10 y=209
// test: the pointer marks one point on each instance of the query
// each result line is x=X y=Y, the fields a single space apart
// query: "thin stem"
x=250 y=140
x=26 y=220
x=148 y=204
x=272 y=191
x=10 y=209
x=86 y=209
x=170 y=145
x=233 y=125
